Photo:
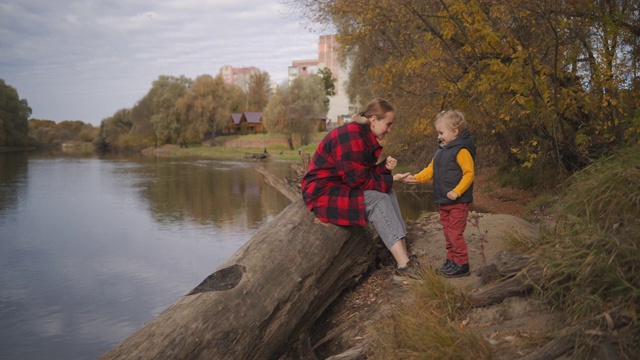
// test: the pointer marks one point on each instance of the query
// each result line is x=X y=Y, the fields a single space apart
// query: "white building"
x=328 y=47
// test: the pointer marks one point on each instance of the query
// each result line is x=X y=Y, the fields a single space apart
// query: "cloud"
x=84 y=60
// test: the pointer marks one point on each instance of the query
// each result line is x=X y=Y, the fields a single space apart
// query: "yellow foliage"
x=512 y=67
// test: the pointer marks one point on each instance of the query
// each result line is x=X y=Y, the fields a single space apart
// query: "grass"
x=276 y=151
x=594 y=250
x=429 y=327
x=592 y=255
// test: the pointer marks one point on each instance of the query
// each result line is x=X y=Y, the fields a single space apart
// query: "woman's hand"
x=391 y=163
x=406 y=178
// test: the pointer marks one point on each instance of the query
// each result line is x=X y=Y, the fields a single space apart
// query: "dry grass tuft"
x=429 y=328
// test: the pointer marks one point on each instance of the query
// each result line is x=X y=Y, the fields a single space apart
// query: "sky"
x=85 y=60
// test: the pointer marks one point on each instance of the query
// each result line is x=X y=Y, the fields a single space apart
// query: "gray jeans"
x=383 y=212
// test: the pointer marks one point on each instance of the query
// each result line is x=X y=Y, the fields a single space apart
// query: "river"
x=93 y=247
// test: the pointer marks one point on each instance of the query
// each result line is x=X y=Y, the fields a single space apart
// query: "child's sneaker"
x=445 y=265
x=455 y=270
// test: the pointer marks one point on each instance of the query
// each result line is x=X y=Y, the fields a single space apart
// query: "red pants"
x=453 y=218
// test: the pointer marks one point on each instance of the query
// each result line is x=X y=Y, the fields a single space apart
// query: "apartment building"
x=328 y=57
x=238 y=76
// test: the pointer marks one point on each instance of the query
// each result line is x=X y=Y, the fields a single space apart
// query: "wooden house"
x=234 y=125
x=245 y=123
x=252 y=121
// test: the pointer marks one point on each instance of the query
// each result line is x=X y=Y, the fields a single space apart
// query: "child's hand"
x=406 y=178
x=452 y=195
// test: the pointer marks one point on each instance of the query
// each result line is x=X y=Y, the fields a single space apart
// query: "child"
x=452 y=171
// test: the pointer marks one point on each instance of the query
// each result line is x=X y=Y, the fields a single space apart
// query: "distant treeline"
x=181 y=110
x=46 y=133
x=16 y=130
x=14 y=115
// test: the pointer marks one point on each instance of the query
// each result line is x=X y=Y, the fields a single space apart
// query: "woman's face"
x=445 y=133
x=381 y=127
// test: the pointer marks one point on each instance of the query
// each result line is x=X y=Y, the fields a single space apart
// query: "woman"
x=345 y=184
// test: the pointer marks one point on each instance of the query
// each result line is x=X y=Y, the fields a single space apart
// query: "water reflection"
x=90 y=248
x=13 y=169
x=208 y=192
x=414 y=200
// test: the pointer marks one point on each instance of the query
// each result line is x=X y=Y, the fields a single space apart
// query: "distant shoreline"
x=12 y=149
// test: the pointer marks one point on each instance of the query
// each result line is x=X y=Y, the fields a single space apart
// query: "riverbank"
x=15 y=149
x=236 y=147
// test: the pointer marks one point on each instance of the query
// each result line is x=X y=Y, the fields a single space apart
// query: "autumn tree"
x=275 y=117
x=165 y=117
x=206 y=107
x=296 y=109
x=545 y=82
x=142 y=129
x=328 y=82
x=42 y=131
x=46 y=133
x=14 y=117
x=258 y=91
x=307 y=103
x=112 y=130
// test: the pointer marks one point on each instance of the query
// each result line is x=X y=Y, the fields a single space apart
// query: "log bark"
x=262 y=298
x=355 y=353
x=510 y=264
x=518 y=273
x=552 y=350
x=291 y=192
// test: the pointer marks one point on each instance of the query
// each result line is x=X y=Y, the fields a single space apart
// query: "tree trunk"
x=261 y=299
x=291 y=192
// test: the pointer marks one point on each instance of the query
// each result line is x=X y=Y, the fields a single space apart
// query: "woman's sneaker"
x=412 y=269
x=455 y=270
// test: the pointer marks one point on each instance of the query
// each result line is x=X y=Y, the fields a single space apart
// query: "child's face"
x=445 y=133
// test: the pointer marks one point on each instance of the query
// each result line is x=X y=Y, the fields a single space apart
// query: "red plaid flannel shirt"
x=343 y=166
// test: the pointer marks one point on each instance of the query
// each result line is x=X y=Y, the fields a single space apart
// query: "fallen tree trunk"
x=291 y=192
x=262 y=298
x=518 y=276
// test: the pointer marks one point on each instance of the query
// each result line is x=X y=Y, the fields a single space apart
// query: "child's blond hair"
x=454 y=119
